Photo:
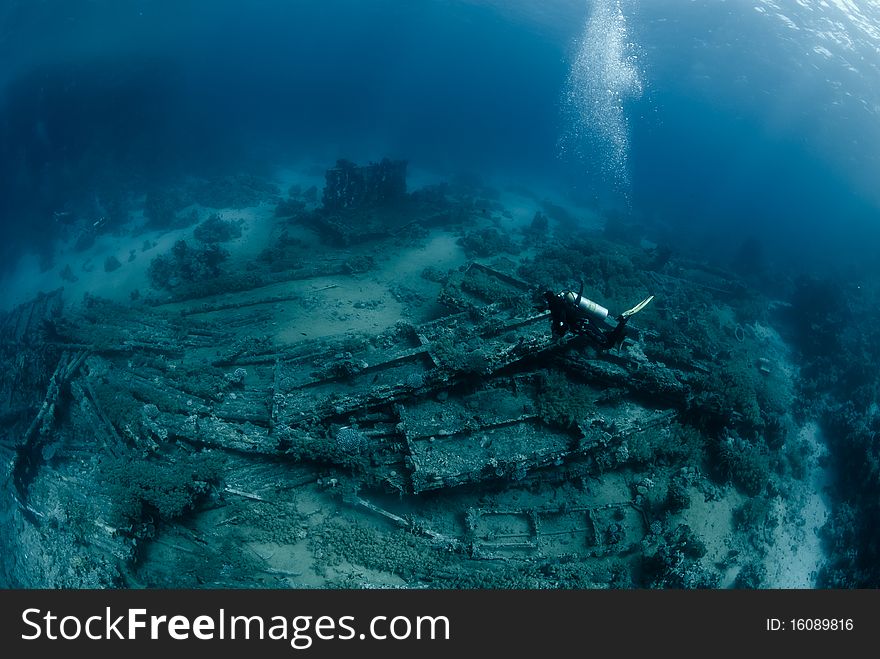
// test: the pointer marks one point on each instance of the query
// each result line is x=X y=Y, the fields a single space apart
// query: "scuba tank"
x=595 y=312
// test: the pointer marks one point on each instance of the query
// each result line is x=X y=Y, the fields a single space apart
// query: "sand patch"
x=795 y=556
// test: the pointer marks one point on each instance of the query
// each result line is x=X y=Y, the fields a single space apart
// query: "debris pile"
x=351 y=187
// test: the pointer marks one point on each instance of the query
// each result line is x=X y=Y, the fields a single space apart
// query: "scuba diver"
x=572 y=312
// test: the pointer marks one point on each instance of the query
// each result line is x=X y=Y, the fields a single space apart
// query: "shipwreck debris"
x=351 y=187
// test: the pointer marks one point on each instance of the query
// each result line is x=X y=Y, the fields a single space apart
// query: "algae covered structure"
x=362 y=390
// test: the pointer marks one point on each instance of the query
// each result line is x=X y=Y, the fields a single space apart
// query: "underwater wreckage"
x=177 y=442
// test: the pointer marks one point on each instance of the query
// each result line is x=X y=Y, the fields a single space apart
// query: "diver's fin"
x=641 y=305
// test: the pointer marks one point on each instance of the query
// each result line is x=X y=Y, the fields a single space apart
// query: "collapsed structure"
x=129 y=427
x=353 y=188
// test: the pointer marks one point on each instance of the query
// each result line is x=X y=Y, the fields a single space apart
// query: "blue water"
x=707 y=122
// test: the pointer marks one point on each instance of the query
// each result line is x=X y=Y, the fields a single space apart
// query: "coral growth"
x=672 y=560
x=458 y=351
x=184 y=264
x=562 y=403
x=166 y=490
x=747 y=465
x=217 y=230
x=616 y=276
x=350 y=440
x=487 y=242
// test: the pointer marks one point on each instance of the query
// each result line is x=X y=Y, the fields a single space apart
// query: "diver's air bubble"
x=604 y=74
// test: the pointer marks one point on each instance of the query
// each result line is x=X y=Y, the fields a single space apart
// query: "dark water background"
x=739 y=122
